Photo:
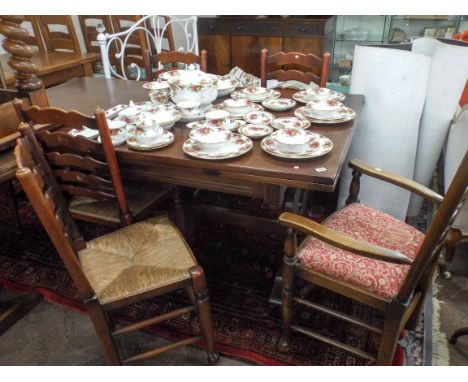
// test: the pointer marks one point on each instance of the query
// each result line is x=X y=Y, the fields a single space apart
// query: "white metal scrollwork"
x=155 y=28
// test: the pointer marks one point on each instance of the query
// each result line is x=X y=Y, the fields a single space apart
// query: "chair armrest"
x=397 y=180
x=340 y=240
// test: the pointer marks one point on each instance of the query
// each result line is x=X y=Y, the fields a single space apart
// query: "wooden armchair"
x=170 y=60
x=313 y=68
x=137 y=262
x=88 y=172
x=368 y=256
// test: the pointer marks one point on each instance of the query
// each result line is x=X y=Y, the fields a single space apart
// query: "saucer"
x=304 y=97
x=346 y=114
x=116 y=142
x=235 y=146
x=233 y=124
x=162 y=141
x=269 y=93
x=255 y=131
x=318 y=146
x=254 y=107
x=290 y=123
x=84 y=132
x=279 y=104
x=259 y=117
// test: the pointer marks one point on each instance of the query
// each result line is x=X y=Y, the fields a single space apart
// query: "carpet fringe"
x=440 y=350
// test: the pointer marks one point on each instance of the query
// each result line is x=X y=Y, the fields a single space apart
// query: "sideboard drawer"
x=306 y=30
x=257 y=29
x=213 y=27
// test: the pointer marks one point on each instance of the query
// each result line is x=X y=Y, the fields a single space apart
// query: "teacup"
x=216 y=118
x=291 y=140
x=318 y=93
x=255 y=92
x=238 y=106
x=159 y=92
x=117 y=130
x=146 y=135
x=210 y=138
x=189 y=108
x=323 y=108
x=129 y=114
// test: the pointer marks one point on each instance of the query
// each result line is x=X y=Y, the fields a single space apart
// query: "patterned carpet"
x=240 y=268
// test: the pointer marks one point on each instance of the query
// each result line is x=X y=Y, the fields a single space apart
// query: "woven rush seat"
x=135 y=259
x=372 y=226
x=139 y=199
x=7 y=165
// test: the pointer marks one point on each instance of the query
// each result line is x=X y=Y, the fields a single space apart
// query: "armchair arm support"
x=340 y=240
x=397 y=180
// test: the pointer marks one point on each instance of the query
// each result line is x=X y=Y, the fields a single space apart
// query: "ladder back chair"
x=36 y=38
x=313 y=68
x=368 y=256
x=88 y=24
x=88 y=172
x=137 y=262
x=169 y=61
x=59 y=33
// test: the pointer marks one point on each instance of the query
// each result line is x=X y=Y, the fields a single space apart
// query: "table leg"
x=298 y=205
x=16 y=308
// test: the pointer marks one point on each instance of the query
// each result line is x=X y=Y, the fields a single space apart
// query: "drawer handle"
x=239 y=28
x=303 y=30
x=211 y=27
x=272 y=29
x=211 y=172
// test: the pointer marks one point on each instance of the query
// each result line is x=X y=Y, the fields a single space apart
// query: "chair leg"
x=99 y=319
x=289 y=262
x=389 y=340
x=12 y=204
x=202 y=298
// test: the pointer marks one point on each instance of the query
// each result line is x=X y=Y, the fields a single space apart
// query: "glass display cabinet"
x=343 y=33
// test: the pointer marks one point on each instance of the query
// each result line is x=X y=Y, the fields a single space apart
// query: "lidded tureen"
x=193 y=85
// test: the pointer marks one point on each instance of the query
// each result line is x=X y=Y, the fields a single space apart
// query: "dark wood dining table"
x=255 y=174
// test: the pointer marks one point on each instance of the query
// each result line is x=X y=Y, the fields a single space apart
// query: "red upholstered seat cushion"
x=375 y=227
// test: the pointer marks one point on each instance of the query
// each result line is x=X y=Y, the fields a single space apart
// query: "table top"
x=85 y=94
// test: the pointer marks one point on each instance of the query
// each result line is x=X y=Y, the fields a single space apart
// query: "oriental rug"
x=240 y=266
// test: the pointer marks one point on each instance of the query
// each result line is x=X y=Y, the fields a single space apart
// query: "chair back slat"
x=292 y=74
x=52 y=115
x=48 y=204
x=87 y=168
x=72 y=176
x=84 y=163
x=435 y=236
x=305 y=60
x=83 y=191
x=67 y=143
x=88 y=25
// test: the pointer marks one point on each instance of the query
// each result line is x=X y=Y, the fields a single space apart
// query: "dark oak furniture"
x=237 y=40
x=87 y=171
x=255 y=174
x=52 y=66
x=297 y=66
x=134 y=263
x=368 y=256
x=170 y=60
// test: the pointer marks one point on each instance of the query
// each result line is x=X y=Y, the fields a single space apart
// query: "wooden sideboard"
x=237 y=40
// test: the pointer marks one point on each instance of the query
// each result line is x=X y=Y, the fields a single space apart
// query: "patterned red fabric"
x=375 y=227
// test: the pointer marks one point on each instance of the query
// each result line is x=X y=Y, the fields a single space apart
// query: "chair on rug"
x=88 y=172
x=170 y=60
x=295 y=66
x=137 y=262
x=368 y=256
